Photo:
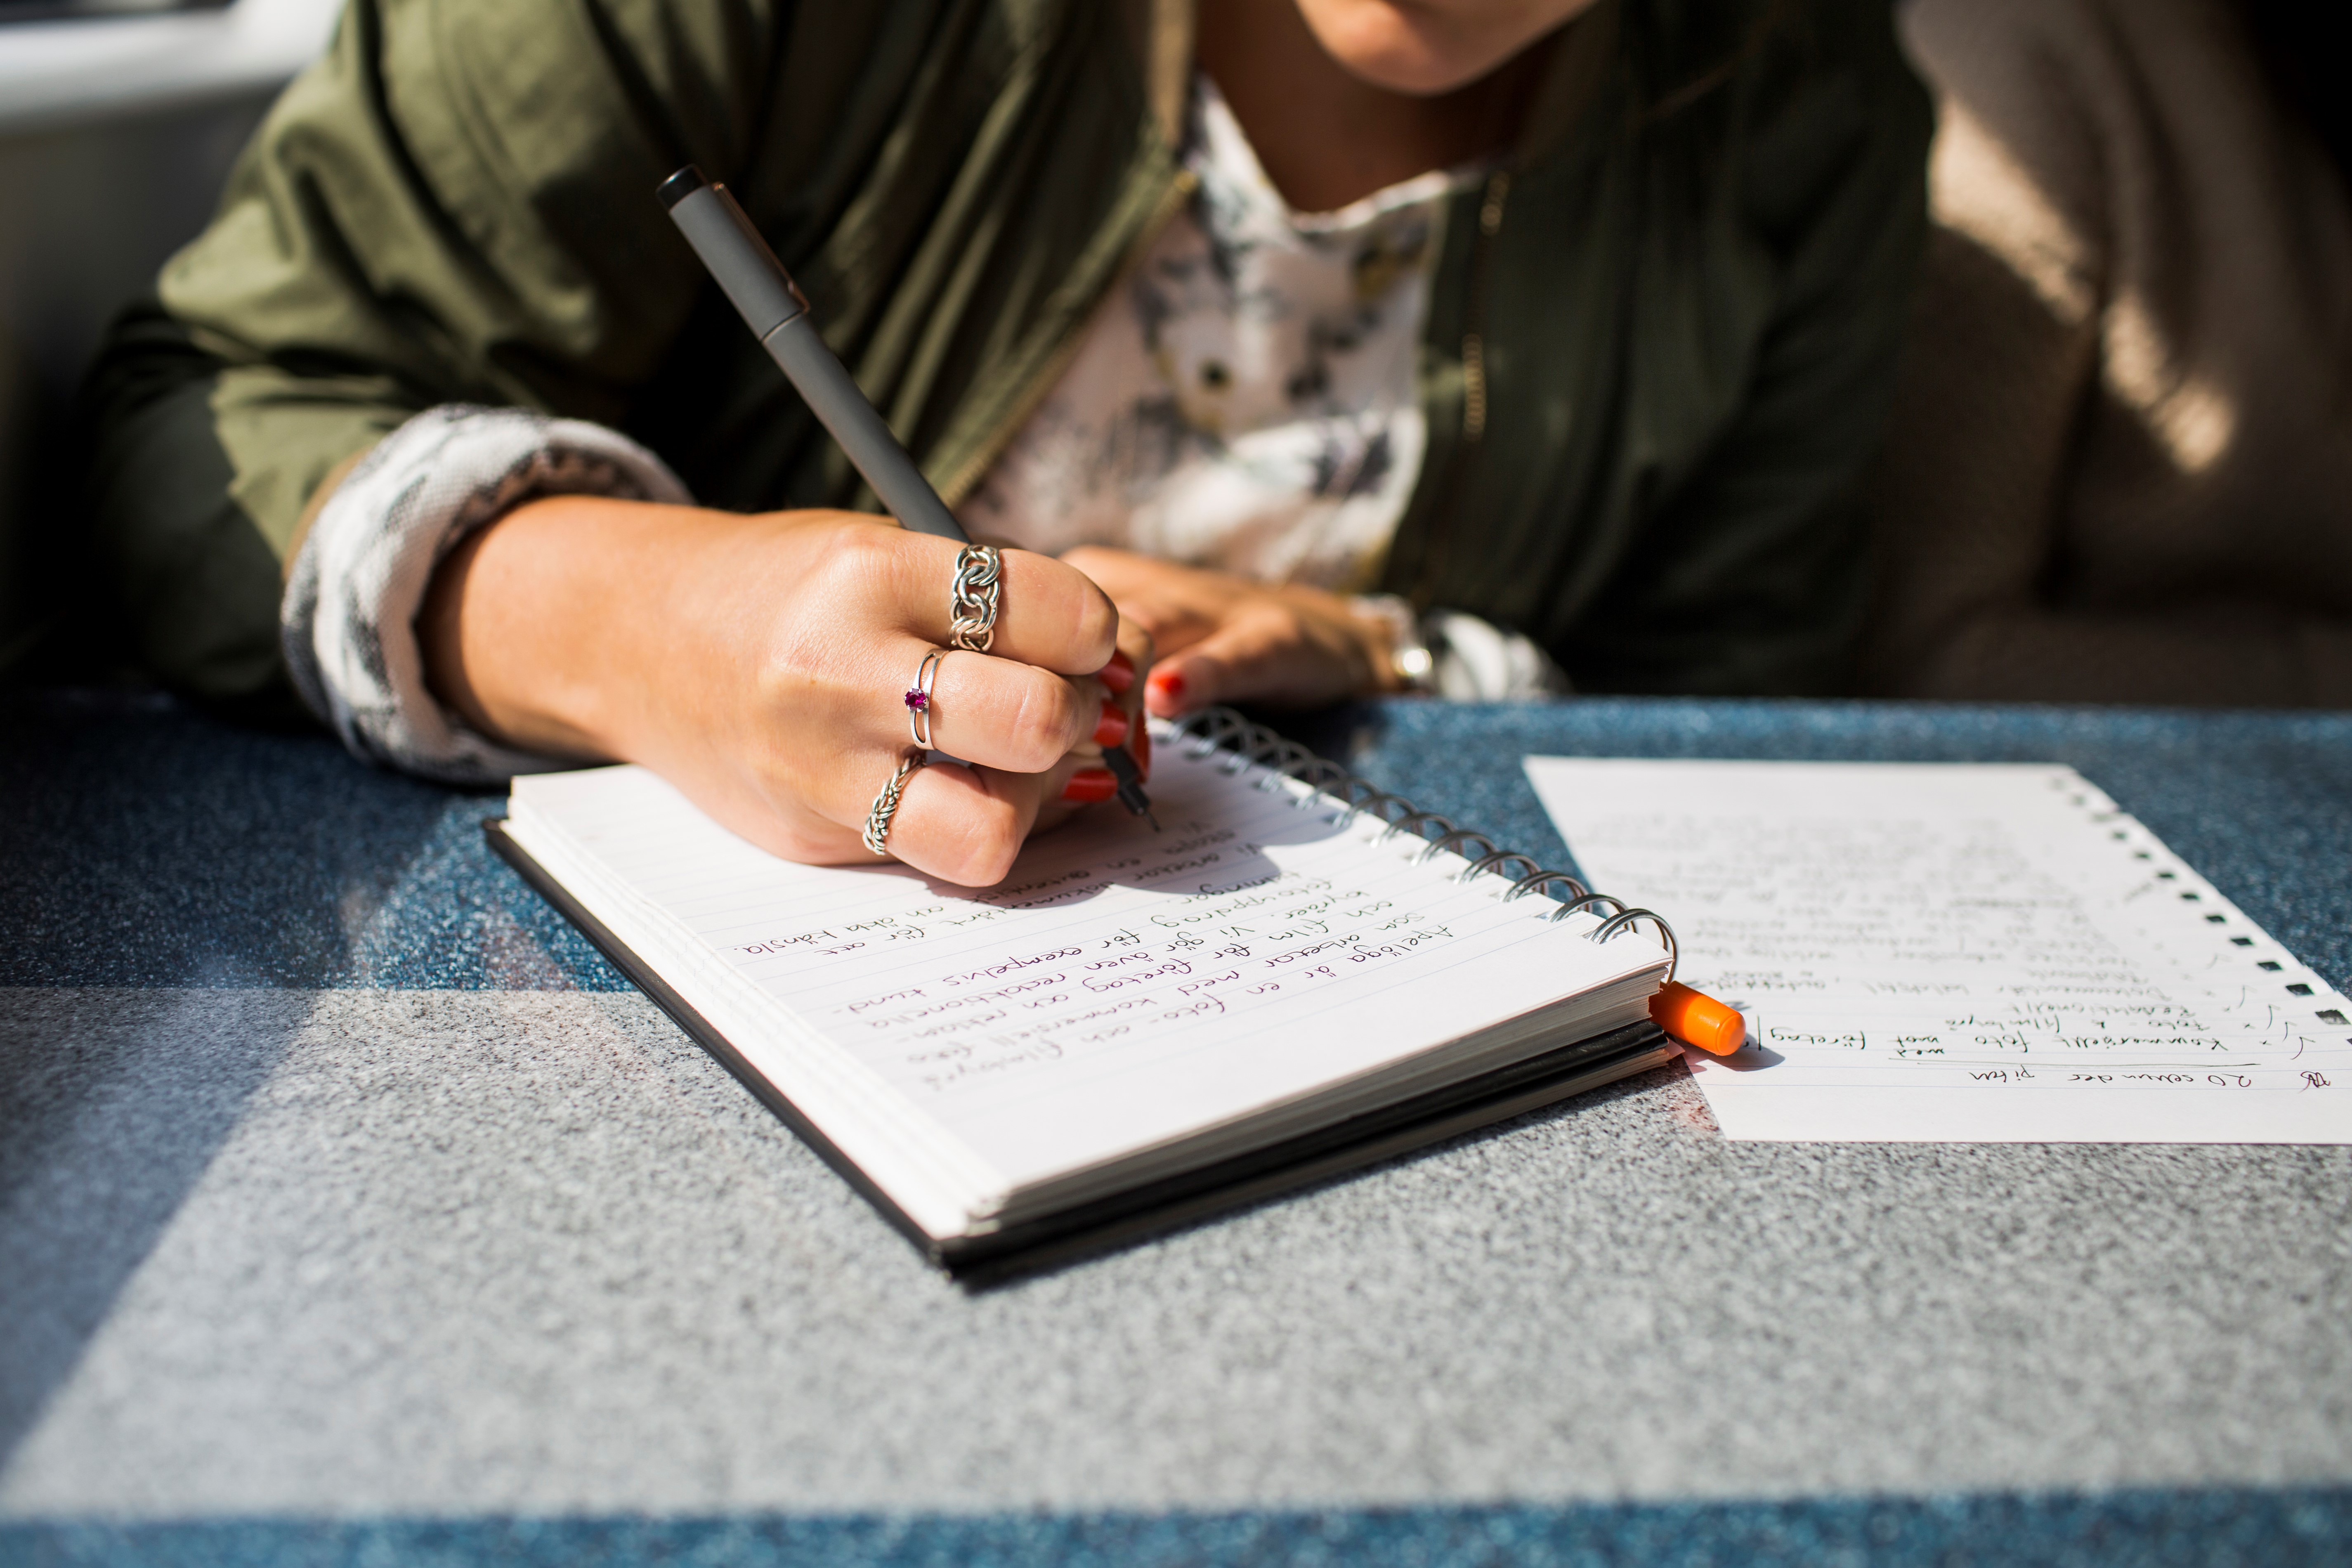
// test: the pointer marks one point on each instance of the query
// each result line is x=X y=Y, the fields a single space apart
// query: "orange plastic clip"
x=1697 y=1019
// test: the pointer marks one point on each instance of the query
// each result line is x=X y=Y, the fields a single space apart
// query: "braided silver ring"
x=920 y=705
x=886 y=804
x=974 y=600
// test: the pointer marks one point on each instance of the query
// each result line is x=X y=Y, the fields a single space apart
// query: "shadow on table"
x=173 y=891
x=116 y=1104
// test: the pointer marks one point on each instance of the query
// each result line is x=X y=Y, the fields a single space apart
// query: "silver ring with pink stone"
x=920 y=704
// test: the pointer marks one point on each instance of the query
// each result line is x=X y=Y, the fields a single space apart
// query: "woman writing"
x=1565 y=322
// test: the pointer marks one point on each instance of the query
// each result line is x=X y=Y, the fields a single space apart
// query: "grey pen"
x=777 y=312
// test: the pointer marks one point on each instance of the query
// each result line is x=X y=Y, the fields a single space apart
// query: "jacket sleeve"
x=454 y=207
x=1753 y=575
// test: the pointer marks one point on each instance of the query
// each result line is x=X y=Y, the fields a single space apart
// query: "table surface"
x=351 y=1208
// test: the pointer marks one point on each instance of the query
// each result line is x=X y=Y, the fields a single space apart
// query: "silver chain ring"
x=974 y=600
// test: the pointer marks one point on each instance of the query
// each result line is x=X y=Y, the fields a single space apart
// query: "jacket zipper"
x=968 y=475
x=1474 y=389
x=1473 y=336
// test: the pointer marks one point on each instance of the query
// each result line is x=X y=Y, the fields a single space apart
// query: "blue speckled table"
x=351 y=1209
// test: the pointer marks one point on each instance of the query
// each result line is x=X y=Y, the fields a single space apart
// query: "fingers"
x=968 y=824
x=1123 y=677
x=1265 y=653
x=1050 y=615
x=1036 y=739
x=1004 y=714
x=965 y=826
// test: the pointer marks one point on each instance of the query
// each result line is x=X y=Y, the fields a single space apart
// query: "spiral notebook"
x=1299 y=975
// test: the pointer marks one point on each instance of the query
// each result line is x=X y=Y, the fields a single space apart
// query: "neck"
x=1327 y=138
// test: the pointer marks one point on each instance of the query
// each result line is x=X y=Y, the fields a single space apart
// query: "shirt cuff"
x=1475 y=660
x=348 y=621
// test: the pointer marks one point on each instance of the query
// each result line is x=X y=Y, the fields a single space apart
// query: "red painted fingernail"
x=1143 y=749
x=1118 y=674
x=1170 y=684
x=1088 y=786
x=1111 y=728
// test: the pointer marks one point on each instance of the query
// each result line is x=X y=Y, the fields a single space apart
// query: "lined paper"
x=1121 y=988
x=1960 y=952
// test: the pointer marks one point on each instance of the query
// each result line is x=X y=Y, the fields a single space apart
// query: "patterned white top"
x=1247 y=401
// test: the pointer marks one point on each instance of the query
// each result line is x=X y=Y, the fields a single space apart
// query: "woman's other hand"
x=1222 y=639
x=759 y=663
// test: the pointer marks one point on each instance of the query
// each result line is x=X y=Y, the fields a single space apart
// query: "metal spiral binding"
x=1250 y=745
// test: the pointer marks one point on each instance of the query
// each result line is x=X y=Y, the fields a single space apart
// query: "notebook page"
x=1960 y=952
x=1120 y=988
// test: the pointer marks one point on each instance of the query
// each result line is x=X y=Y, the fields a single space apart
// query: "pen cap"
x=1695 y=1019
x=747 y=271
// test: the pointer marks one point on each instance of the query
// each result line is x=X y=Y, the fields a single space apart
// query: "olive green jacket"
x=1657 y=347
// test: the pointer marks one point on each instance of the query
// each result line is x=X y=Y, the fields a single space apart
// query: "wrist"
x=529 y=628
x=1401 y=659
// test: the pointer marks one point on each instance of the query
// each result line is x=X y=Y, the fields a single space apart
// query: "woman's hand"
x=1222 y=639
x=759 y=663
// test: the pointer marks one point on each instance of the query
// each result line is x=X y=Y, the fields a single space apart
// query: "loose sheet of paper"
x=1121 y=987
x=1950 y=952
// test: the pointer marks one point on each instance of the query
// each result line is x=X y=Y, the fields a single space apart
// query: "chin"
x=1402 y=49
x=1424 y=47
